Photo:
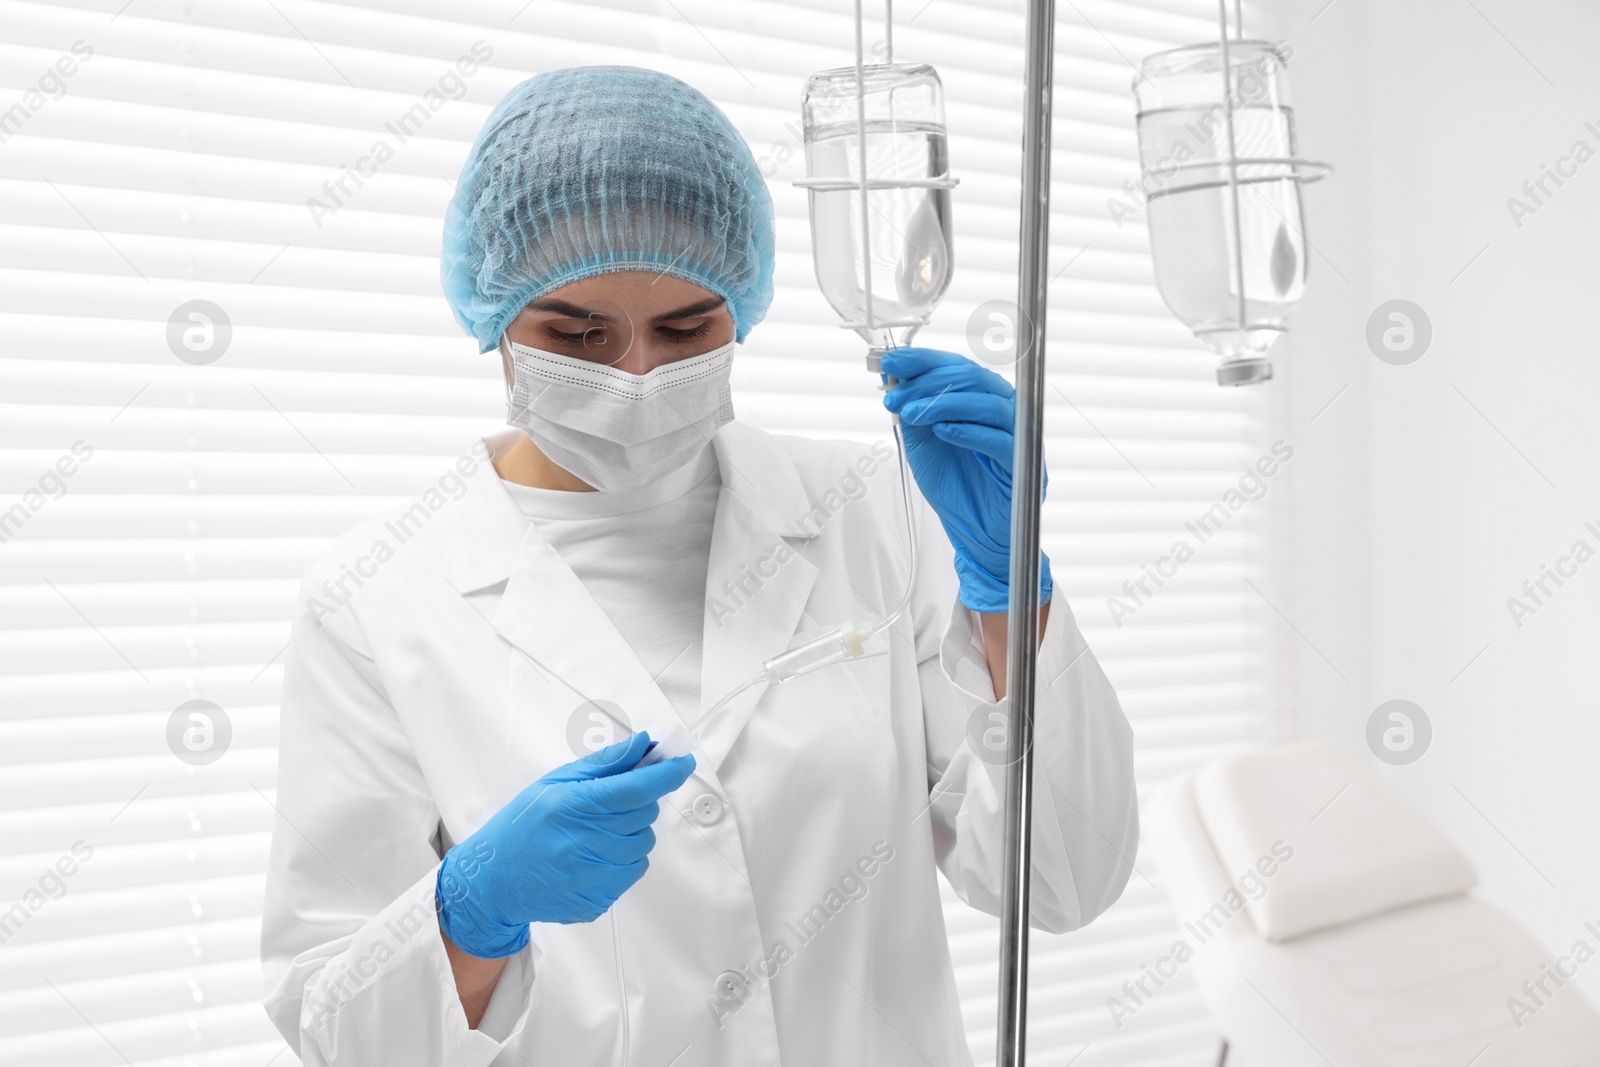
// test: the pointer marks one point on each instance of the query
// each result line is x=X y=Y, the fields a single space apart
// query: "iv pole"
x=1027 y=471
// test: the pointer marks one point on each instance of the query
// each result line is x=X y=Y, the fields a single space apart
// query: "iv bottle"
x=1227 y=228
x=903 y=254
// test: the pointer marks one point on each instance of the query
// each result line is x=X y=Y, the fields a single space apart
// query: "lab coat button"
x=707 y=809
x=729 y=985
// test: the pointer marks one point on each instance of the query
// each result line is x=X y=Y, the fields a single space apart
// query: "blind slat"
x=179 y=163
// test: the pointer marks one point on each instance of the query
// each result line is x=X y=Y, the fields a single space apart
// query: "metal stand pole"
x=1027 y=473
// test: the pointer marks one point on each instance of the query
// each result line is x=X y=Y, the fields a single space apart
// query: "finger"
x=949 y=371
x=604 y=762
x=632 y=872
x=642 y=785
x=940 y=384
x=912 y=361
x=600 y=898
x=595 y=907
x=977 y=408
x=955 y=367
x=996 y=444
x=620 y=822
x=966 y=378
x=619 y=850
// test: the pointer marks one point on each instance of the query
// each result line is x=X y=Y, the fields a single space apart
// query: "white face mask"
x=615 y=430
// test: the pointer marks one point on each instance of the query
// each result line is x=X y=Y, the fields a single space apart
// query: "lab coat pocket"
x=834 y=728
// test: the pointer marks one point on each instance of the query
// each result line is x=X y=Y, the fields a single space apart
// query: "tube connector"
x=847 y=642
x=855 y=639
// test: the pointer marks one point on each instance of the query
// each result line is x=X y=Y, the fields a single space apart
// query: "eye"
x=591 y=337
x=677 y=336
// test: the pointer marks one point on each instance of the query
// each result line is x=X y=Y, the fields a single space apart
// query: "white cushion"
x=1420 y=986
x=1313 y=838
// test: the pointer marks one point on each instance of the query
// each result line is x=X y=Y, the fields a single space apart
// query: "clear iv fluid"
x=909 y=228
x=1191 y=223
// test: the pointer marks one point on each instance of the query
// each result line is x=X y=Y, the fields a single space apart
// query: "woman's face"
x=632 y=320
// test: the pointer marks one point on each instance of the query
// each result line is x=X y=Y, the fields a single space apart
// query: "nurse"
x=475 y=860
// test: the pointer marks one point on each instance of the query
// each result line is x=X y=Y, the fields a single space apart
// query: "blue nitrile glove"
x=957 y=419
x=562 y=851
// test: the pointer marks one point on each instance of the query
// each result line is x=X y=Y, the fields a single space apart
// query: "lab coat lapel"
x=545 y=612
x=757 y=584
x=548 y=615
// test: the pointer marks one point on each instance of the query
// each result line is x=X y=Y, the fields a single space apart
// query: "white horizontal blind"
x=167 y=151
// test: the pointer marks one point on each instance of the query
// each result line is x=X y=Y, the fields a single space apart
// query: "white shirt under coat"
x=791 y=911
x=642 y=555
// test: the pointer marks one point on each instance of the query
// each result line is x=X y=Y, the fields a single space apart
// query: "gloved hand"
x=562 y=851
x=957 y=419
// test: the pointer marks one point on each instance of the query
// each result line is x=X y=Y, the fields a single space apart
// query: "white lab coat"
x=790 y=914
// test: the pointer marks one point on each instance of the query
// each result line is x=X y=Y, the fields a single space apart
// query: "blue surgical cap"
x=592 y=170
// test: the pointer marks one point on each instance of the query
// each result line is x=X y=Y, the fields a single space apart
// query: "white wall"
x=1413 y=516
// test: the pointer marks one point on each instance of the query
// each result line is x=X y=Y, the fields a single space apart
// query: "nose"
x=647 y=352
x=641 y=357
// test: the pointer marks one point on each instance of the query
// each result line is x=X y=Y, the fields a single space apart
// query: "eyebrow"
x=573 y=311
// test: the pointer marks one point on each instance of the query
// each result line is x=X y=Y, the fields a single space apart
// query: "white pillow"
x=1313 y=838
